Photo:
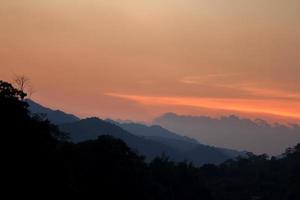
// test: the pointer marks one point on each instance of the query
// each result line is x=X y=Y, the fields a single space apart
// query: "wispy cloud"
x=232 y=82
x=216 y=78
x=274 y=93
x=269 y=107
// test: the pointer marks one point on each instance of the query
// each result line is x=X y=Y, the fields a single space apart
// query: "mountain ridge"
x=91 y=128
x=54 y=116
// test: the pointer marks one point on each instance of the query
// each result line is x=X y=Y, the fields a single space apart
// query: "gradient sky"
x=136 y=59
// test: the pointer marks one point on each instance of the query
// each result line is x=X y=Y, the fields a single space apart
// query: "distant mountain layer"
x=159 y=134
x=150 y=146
x=182 y=143
x=55 y=116
x=91 y=128
x=150 y=141
x=178 y=148
x=232 y=132
x=151 y=131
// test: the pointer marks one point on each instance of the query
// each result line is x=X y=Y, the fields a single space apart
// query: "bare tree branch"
x=22 y=83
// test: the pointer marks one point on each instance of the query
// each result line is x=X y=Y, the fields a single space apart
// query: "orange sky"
x=138 y=58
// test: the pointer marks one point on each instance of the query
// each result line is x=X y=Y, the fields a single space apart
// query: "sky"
x=137 y=59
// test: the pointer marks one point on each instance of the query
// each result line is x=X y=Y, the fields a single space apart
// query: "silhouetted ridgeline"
x=151 y=147
x=149 y=141
x=54 y=116
x=38 y=161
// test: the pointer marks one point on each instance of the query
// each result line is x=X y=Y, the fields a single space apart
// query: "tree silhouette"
x=22 y=83
x=29 y=156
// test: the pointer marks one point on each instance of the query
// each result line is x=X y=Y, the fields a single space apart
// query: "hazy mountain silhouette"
x=150 y=147
x=152 y=131
x=54 y=116
x=164 y=136
x=150 y=141
x=233 y=132
x=92 y=128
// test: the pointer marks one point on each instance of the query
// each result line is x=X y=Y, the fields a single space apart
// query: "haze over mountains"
x=150 y=141
x=256 y=136
x=229 y=132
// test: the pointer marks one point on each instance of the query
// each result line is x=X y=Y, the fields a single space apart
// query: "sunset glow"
x=138 y=59
x=266 y=107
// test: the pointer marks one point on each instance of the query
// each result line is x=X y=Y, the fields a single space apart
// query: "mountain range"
x=233 y=132
x=149 y=141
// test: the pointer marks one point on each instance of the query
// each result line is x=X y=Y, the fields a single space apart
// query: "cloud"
x=256 y=106
x=234 y=83
x=273 y=93
x=216 y=78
